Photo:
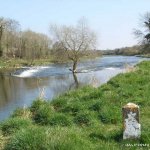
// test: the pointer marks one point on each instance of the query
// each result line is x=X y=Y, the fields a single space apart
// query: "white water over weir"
x=30 y=71
x=37 y=71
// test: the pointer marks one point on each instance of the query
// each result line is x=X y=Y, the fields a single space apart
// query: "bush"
x=13 y=124
x=60 y=119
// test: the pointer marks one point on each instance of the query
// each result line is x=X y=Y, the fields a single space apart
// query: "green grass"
x=12 y=125
x=145 y=55
x=87 y=118
x=12 y=63
x=17 y=63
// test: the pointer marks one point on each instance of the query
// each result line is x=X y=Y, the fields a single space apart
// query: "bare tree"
x=9 y=29
x=144 y=35
x=75 y=40
x=34 y=45
x=2 y=26
x=22 y=44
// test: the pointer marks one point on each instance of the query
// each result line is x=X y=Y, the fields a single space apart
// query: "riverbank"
x=87 y=118
x=14 y=63
x=18 y=63
x=144 y=56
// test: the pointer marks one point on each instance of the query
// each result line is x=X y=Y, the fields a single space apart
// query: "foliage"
x=125 y=51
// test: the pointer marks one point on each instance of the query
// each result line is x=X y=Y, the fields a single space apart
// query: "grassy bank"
x=85 y=119
x=12 y=63
x=17 y=63
x=145 y=56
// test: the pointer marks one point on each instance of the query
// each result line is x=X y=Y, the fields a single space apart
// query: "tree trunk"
x=74 y=66
x=76 y=80
x=1 y=51
x=1 y=32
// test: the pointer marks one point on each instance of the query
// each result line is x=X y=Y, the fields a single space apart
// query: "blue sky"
x=113 y=20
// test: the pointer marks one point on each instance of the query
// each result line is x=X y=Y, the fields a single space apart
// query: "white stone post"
x=131 y=126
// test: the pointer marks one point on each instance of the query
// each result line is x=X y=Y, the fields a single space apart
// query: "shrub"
x=13 y=124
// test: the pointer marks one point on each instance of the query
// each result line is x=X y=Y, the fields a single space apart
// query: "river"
x=19 y=88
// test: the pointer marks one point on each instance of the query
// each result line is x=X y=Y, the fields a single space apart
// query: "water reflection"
x=17 y=91
x=76 y=82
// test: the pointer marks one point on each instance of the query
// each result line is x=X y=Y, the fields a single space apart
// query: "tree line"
x=67 y=42
x=143 y=36
x=22 y=44
x=125 y=51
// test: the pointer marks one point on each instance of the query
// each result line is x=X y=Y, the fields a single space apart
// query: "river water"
x=19 y=88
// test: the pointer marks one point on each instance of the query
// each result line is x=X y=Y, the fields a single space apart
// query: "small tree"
x=144 y=35
x=75 y=40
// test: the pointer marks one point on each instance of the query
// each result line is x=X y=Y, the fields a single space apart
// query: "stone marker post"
x=132 y=128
